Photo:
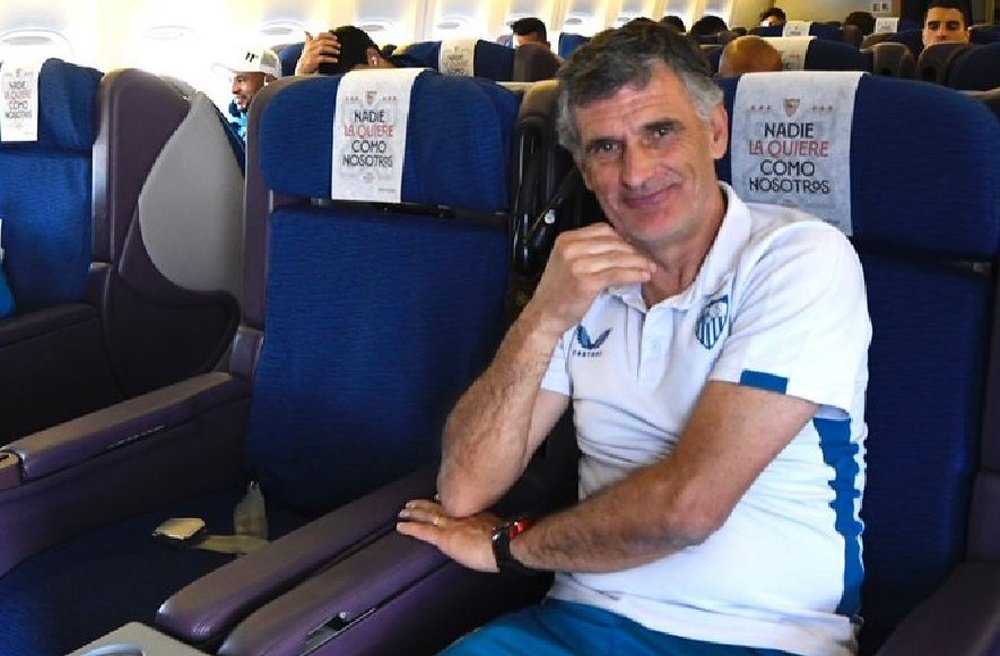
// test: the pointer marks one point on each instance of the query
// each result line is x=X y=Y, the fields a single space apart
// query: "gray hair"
x=624 y=57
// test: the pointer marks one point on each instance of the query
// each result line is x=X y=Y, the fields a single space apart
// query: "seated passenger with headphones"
x=717 y=372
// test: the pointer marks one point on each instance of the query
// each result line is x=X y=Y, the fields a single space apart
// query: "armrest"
x=53 y=449
x=38 y=322
x=202 y=611
x=961 y=617
x=396 y=596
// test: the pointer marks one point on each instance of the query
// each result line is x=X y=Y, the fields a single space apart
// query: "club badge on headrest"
x=791 y=106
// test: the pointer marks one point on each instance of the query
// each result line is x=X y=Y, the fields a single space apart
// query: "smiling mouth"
x=648 y=200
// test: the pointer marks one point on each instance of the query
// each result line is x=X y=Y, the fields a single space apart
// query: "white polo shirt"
x=778 y=304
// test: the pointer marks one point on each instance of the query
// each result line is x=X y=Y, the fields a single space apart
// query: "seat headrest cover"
x=793 y=50
x=911 y=189
x=796 y=28
x=457 y=57
x=794 y=149
x=457 y=147
x=369 y=134
x=885 y=24
x=67 y=105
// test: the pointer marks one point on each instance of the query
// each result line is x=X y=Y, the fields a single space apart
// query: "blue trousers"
x=561 y=628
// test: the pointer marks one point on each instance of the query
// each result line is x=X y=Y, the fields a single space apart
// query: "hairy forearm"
x=633 y=522
x=486 y=442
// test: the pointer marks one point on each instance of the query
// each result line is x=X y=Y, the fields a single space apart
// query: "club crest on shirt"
x=589 y=348
x=712 y=321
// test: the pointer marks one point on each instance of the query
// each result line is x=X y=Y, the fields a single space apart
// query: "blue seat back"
x=984 y=34
x=569 y=42
x=289 y=55
x=932 y=320
x=912 y=39
x=828 y=55
x=45 y=192
x=976 y=69
x=375 y=321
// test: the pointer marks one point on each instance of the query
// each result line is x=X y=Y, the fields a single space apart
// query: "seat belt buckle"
x=180 y=532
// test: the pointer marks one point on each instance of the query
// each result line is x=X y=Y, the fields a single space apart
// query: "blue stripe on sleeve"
x=764 y=381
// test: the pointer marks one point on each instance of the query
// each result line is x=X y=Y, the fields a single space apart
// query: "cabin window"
x=282 y=31
x=35 y=44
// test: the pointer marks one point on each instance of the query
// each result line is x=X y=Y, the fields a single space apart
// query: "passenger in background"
x=749 y=54
x=675 y=22
x=863 y=20
x=353 y=49
x=320 y=50
x=773 y=16
x=711 y=450
x=945 y=22
x=529 y=30
x=251 y=69
x=708 y=25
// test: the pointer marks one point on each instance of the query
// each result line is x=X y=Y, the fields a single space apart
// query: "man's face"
x=772 y=20
x=650 y=160
x=944 y=24
x=245 y=87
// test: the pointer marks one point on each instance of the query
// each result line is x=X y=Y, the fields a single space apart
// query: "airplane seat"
x=548 y=181
x=173 y=243
x=53 y=364
x=533 y=62
x=984 y=34
x=713 y=54
x=818 y=30
x=362 y=324
x=725 y=36
x=931 y=556
x=488 y=59
x=477 y=245
x=976 y=69
x=912 y=39
x=989 y=98
x=829 y=55
x=706 y=39
x=872 y=39
x=288 y=55
x=891 y=59
x=852 y=34
x=934 y=63
x=115 y=294
x=568 y=42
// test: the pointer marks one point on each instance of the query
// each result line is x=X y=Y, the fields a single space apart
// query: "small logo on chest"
x=589 y=348
x=712 y=321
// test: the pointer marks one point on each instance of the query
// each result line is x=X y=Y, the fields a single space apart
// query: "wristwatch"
x=502 y=535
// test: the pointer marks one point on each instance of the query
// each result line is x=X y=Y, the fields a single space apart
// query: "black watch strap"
x=502 y=536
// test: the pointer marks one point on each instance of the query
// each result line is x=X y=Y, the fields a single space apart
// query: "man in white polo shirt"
x=715 y=354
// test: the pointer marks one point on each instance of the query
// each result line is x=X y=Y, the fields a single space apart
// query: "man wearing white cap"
x=251 y=71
